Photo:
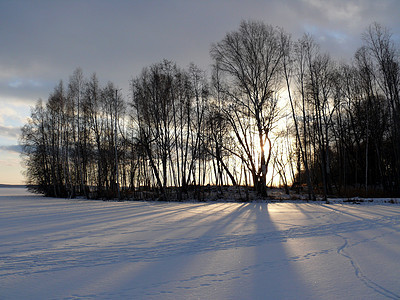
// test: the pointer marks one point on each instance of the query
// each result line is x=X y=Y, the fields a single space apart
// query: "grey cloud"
x=49 y=39
x=12 y=148
x=9 y=131
x=24 y=91
x=43 y=41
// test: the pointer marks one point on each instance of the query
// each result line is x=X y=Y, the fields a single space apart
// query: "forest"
x=273 y=111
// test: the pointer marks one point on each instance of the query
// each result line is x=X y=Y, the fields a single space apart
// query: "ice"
x=79 y=249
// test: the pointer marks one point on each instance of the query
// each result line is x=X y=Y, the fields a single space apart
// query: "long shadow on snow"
x=212 y=240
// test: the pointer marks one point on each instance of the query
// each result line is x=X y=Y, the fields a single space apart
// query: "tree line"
x=274 y=110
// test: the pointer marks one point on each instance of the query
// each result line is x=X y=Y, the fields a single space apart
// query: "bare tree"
x=185 y=131
x=294 y=70
x=382 y=49
x=250 y=61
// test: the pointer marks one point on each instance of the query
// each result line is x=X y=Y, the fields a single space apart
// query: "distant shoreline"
x=12 y=185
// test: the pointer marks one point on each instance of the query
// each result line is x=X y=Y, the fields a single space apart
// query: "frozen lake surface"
x=78 y=249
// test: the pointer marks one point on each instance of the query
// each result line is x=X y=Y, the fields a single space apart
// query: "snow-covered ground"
x=78 y=249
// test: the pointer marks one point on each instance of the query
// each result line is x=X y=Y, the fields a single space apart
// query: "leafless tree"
x=250 y=62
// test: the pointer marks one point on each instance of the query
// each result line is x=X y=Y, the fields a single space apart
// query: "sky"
x=43 y=42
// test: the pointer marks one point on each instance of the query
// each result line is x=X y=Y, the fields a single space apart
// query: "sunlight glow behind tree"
x=275 y=111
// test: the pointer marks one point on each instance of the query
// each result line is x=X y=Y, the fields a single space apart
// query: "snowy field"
x=78 y=249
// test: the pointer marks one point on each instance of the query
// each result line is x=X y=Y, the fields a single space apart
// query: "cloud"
x=117 y=39
x=326 y=35
x=13 y=114
x=24 y=90
x=12 y=148
x=10 y=131
x=337 y=10
x=11 y=167
x=42 y=42
x=20 y=82
x=15 y=83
